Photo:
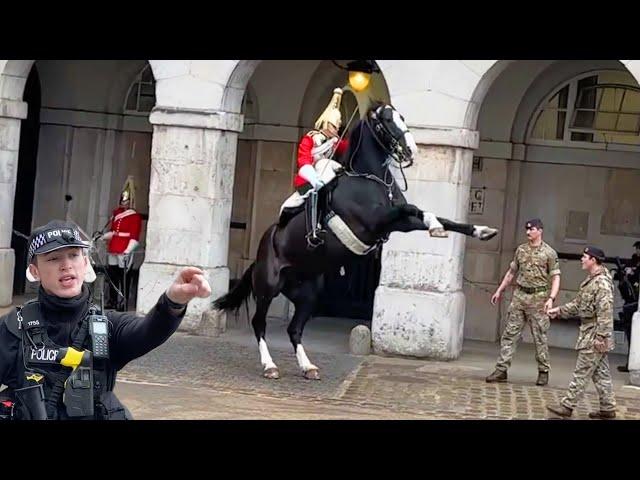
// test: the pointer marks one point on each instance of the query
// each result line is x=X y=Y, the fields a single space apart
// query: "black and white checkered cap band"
x=45 y=237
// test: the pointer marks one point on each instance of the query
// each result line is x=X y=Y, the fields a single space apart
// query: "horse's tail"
x=233 y=300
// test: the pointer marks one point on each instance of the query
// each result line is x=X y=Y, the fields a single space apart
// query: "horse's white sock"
x=265 y=358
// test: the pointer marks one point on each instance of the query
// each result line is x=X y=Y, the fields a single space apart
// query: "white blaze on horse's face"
x=408 y=137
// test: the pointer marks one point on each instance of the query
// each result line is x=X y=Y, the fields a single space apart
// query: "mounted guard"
x=316 y=168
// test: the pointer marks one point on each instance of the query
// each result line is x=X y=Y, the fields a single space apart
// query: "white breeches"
x=326 y=171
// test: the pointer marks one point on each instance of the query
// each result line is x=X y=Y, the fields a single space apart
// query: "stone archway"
x=84 y=137
x=420 y=304
x=576 y=181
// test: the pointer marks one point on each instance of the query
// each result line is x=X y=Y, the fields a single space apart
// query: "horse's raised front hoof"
x=312 y=374
x=438 y=233
x=485 y=233
x=272 y=373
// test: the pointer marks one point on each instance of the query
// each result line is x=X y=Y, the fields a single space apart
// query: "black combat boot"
x=560 y=410
x=497 y=376
x=543 y=378
x=603 y=415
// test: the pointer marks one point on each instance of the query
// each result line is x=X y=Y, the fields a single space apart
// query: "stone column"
x=11 y=114
x=634 y=350
x=190 y=193
x=419 y=306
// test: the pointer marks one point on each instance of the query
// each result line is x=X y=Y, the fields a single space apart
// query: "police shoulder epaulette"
x=11 y=320
x=30 y=309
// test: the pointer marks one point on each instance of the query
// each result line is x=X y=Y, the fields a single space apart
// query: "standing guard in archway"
x=123 y=238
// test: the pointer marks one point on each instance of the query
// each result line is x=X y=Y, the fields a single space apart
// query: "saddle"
x=324 y=202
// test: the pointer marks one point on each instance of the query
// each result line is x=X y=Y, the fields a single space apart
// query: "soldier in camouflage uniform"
x=594 y=305
x=534 y=264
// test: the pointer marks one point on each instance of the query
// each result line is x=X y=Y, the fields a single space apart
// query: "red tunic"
x=126 y=225
x=305 y=158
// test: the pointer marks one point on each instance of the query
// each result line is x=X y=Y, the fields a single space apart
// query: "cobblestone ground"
x=448 y=392
x=192 y=377
x=220 y=364
x=196 y=378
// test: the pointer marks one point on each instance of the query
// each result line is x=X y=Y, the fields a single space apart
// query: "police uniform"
x=594 y=306
x=47 y=349
x=533 y=268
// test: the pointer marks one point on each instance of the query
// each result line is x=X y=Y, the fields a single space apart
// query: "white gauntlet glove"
x=310 y=175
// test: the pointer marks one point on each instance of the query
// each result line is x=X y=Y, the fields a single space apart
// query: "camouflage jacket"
x=534 y=266
x=594 y=306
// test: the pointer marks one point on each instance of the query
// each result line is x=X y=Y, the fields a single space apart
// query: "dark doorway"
x=27 y=162
x=352 y=295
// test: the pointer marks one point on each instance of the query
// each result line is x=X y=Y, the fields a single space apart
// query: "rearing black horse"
x=365 y=205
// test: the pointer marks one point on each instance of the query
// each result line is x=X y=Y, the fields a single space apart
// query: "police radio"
x=98 y=328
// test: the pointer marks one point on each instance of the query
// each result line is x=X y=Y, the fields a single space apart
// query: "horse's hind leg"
x=304 y=296
x=259 y=323
x=265 y=288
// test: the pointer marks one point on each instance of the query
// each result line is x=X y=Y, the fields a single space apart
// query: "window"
x=601 y=108
x=141 y=97
x=607 y=108
x=551 y=119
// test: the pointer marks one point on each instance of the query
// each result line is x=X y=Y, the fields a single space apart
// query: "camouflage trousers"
x=595 y=366
x=525 y=308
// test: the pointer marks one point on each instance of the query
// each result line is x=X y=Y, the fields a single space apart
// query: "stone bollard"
x=634 y=351
x=360 y=340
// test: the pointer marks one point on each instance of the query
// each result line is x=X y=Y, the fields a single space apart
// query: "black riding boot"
x=313 y=241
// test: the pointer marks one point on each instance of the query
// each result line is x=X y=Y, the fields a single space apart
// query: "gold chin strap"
x=331 y=114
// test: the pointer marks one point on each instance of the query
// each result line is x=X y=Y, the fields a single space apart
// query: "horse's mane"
x=376 y=104
x=354 y=135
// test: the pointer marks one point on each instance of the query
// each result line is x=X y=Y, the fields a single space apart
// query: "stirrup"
x=313 y=242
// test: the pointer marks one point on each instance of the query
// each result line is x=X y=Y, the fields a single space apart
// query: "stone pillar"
x=419 y=306
x=190 y=193
x=11 y=113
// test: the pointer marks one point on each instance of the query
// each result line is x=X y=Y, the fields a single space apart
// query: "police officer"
x=534 y=264
x=594 y=305
x=58 y=355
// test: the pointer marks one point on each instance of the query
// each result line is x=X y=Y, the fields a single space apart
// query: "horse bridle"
x=391 y=144
x=397 y=153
